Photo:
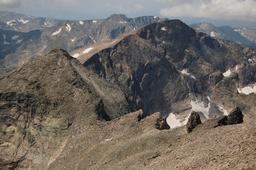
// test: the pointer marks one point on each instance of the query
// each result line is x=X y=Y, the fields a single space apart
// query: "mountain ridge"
x=228 y=33
x=66 y=34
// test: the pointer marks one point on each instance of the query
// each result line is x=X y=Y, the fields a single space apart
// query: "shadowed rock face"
x=165 y=65
x=141 y=72
x=193 y=121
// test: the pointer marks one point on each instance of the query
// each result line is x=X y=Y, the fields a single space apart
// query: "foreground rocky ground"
x=127 y=144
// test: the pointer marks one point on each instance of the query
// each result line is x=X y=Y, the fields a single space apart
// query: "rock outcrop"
x=161 y=124
x=235 y=117
x=193 y=121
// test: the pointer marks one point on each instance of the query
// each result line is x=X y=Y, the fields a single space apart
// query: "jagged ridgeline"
x=23 y=37
x=59 y=113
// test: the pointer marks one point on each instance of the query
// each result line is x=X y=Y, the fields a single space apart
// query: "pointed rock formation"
x=193 y=121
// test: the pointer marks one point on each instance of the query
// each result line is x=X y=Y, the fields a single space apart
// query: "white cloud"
x=9 y=3
x=221 y=11
x=213 y=9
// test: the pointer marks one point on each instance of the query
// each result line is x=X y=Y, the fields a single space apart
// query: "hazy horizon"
x=236 y=13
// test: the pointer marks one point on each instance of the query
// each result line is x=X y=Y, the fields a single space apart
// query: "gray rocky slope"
x=56 y=113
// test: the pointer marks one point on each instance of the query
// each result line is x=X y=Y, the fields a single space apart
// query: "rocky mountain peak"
x=205 y=25
x=60 y=53
x=167 y=31
x=118 y=17
x=168 y=26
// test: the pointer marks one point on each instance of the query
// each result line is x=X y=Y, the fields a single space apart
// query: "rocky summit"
x=127 y=106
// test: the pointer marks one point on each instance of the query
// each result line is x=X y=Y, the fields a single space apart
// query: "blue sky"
x=220 y=12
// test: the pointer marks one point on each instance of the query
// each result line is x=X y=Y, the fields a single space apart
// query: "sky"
x=219 y=12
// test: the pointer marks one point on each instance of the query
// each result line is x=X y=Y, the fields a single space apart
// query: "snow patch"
x=199 y=106
x=23 y=21
x=251 y=60
x=48 y=24
x=108 y=140
x=11 y=23
x=228 y=73
x=15 y=37
x=81 y=22
x=237 y=68
x=185 y=72
x=247 y=90
x=68 y=27
x=213 y=34
x=5 y=42
x=174 y=122
x=73 y=39
x=223 y=110
x=19 y=41
x=87 y=50
x=164 y=29
x=237 y=30
x=57 y=32
x=76 y=55
x=123 y=22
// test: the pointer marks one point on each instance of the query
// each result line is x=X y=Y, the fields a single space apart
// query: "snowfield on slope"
x=247 y=90
x=57 y=32
x=87 y=50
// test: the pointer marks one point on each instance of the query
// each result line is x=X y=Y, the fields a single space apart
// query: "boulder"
x=140 y=116
x=101 y=111
x=193 y=121
x=161 y=124
x=235 y=117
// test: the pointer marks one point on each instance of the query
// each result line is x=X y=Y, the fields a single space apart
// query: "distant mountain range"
x=243 y=36
x=24 y=37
